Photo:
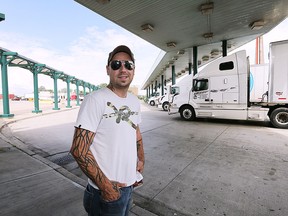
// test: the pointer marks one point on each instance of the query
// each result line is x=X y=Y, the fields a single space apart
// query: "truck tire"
x=187 y=113
x=152 y=103
x=165 y=106
x=279 y=117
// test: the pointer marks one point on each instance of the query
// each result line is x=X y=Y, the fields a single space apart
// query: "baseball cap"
x=121 y=48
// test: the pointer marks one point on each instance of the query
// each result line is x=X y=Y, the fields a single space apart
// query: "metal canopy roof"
x=16 y=60
x=183 y=24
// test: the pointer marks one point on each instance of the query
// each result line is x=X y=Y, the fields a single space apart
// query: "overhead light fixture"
x=199 y=62
x=205 y=58
x=257 y=25
x=208 y=35
x=181 y=52
x=207 y=8
x=171 y=62
x=147 y=27
x=171 y=44
x=102 y=1
x=186 y=68
x=175 y=58
x=183 y=71
x=214 y=53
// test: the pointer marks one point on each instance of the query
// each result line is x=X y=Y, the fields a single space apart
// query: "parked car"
x=16 y=98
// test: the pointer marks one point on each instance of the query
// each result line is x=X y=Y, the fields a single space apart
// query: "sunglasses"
x=116 y=64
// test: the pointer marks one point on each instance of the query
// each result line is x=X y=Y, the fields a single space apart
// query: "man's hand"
x=140 y=166
x=113 y=193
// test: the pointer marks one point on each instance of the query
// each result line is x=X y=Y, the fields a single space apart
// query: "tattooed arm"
x=140 y=151
x=80 y=150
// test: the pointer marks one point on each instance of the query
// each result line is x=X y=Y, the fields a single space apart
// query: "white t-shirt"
x=114 y=120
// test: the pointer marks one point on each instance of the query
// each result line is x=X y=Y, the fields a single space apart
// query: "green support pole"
x=195 y=61
x=173 y=75
x=156 y=86
x=162 y=84
x=224 y=48
x=5 y=91
x=84 y=89
x=190 y=68
x=2 y=17
x=77 y=94
x=69 y=78
x=35 y=72
x=55 y=78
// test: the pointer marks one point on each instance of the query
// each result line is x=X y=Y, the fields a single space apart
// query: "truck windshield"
x=175 y=90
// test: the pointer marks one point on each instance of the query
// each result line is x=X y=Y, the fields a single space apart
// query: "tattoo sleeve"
x=140 y=149
x=80 y=150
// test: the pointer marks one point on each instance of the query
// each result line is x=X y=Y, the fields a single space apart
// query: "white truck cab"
x=227 y=88
x=166 y=98
x=154 y=99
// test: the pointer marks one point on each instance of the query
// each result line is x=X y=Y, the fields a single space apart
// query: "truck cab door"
x=200 y=91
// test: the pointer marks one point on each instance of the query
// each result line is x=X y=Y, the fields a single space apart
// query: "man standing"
x=107 y=143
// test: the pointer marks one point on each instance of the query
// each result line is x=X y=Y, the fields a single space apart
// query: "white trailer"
x=229 y=89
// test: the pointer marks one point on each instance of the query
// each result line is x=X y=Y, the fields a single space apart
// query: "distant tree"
x=41 y=88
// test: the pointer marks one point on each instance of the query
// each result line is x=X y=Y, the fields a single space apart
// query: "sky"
x=71 y=38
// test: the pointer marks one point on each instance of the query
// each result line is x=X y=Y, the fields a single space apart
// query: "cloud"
x=85 y=57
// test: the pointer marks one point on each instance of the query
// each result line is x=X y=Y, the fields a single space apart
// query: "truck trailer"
x=229 y=88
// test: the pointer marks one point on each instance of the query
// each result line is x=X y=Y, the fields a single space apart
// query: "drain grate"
x=66 y=159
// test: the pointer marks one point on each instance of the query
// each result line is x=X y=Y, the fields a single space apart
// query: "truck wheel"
x=152 y=103
x=187 y=113
x=279 y=117
x=165 y=106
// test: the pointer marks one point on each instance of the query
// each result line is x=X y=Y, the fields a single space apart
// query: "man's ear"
x=107 y=70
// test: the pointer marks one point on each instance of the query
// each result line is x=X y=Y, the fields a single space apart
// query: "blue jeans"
x=96 y=206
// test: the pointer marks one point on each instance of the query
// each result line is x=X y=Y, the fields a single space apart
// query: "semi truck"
x=228 y=88
x=166 y=98
x=154 y=99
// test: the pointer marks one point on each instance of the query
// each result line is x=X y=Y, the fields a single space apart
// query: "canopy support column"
x=36 y=69
x=162 y=84
x=173 y=75
x=68 y=80
x=77 y=93
x=84 y=89
x=224 y=48
x=195 y=61
x=56 y=75
x=5 y=91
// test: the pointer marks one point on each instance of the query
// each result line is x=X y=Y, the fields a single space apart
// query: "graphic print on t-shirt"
x=123 y=114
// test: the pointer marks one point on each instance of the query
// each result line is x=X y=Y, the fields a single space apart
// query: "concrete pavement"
x=205 y=167
x=32 y=185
